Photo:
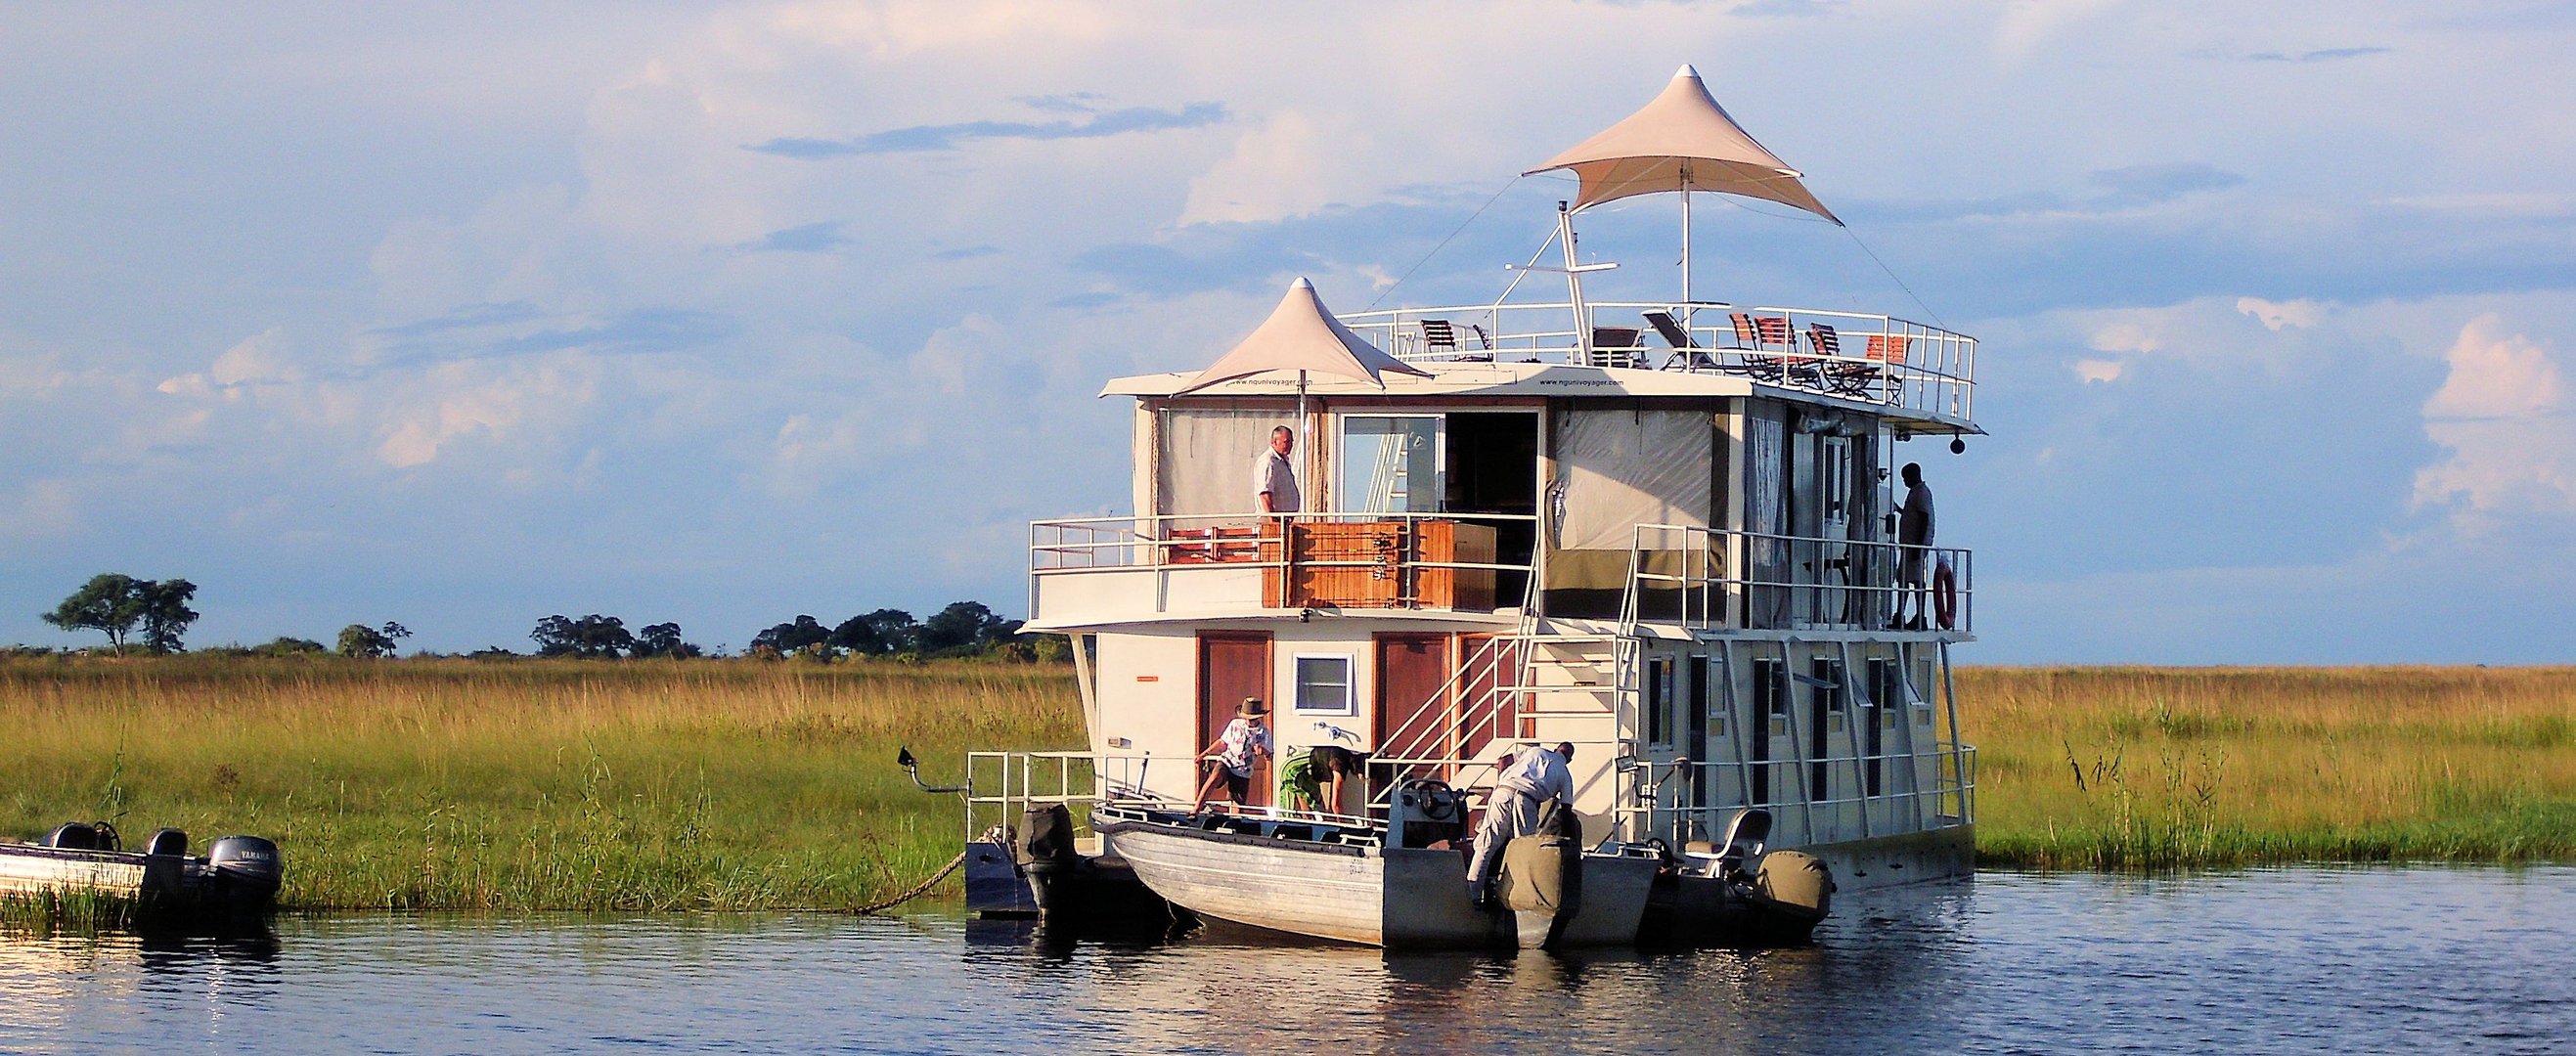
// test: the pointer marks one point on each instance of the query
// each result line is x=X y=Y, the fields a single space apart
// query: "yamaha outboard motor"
x=1047 y=854
x=244 y=871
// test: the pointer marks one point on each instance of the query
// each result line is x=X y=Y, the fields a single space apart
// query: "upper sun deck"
x=1918 y=375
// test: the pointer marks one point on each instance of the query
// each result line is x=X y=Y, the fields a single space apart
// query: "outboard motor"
x=165 y=864
x=82 y=836
x=1796 y=884
x=1047 y=854
x=244 y=871
x=166 y=841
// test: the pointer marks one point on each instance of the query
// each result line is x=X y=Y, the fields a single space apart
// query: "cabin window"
x=1829 y=692
x=1659 y=701
x=1324 y=684
x=1389 y=464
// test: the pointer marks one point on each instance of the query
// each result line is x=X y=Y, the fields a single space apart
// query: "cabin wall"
x=1149 y=695
x=1612 y=465
x=1811 y=745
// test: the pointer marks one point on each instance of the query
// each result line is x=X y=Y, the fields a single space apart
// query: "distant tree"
x=285 y=646
x=362 y=642
x=789 y=637
x=880 y=633
x=106 y=604
x=166 y=614
x=116 y=605
x=663 y=639
x=590 y=637
x=964 y=628
x=491 y=652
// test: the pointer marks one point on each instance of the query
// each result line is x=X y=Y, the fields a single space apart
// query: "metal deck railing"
x=1718 y=579
x=1178 y=560
x=1861 y=356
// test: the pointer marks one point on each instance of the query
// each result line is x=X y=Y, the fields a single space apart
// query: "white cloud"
x=2277 y=314
x=2495 y=375
x=456 y=401
x=2099 y=371
x=2512 y=446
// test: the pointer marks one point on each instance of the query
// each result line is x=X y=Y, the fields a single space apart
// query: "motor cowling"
x=1046 y=839
x=245 y=868
x=1795 y=881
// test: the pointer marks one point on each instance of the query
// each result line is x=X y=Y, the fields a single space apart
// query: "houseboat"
x=1665 y=532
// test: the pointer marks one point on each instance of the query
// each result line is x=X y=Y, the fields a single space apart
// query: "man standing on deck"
x=1914 y=533
x=1520 y=799
x=1274 y=477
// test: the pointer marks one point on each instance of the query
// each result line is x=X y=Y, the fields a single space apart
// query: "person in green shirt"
x=1302 y=779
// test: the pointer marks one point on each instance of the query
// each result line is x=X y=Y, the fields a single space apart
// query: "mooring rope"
x=918 y=889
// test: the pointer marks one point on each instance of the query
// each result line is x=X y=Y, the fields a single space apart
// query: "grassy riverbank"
x=740 y=784
x=2149 y=768
x=526 y=784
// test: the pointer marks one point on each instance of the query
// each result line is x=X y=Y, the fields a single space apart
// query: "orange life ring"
x=1945 y=595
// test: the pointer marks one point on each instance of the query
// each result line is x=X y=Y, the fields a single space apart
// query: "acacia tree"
x=360 y=641
x=116 y=605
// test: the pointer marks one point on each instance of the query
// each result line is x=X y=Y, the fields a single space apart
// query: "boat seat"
x=1746 y=833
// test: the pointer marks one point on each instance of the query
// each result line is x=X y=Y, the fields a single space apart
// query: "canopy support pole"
x=1686 y=248
x=1574 y=286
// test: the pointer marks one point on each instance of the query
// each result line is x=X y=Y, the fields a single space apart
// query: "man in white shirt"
x=1274 y=476
x=1232 y=752
x=1533 y=780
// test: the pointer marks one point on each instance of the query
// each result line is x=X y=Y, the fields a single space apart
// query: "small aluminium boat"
x=237 y=876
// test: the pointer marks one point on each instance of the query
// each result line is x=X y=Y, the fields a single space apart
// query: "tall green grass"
x=455 y=784
x=720 y=784
x=2141 y=768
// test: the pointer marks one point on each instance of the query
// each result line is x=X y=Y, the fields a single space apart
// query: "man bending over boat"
x=1311 y=780
x=1232 y=752
x=1521 y=796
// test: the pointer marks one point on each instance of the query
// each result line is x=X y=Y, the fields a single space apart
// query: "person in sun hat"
x=1232 y=752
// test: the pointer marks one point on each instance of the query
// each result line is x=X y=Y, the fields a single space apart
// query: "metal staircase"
x=1531 y=684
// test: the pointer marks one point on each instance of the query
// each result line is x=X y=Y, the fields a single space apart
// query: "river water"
x=2480 y=960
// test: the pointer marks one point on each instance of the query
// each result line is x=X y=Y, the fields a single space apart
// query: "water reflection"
x=2278 y=960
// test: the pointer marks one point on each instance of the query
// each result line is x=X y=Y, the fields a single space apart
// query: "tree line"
x=152 y=616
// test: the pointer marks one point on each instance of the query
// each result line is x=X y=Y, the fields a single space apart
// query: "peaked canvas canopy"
x=1682 y=141
x=1301 y=336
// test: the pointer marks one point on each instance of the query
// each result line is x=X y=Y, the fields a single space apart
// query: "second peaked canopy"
x=1302 y=336
x=1682 y=141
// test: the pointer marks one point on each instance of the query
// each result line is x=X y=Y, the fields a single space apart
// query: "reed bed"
x=454 y=784
x=2152 y=768
x=734 y=784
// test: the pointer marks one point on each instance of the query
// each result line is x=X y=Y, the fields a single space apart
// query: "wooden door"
x=1415 y=719
x=1234 y=665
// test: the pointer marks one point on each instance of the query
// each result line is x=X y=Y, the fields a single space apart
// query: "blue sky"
x=463 y=318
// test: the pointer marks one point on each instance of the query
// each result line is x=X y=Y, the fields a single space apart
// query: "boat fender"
x=1046 y=839
x=1795 y=880
x=166 y=841
x=248 y=867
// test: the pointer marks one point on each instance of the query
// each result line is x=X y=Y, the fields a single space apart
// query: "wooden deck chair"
x=1768 y=333
x=1616 y=346
x=1438 y=337
x=1828 y=370
x=1881 y=358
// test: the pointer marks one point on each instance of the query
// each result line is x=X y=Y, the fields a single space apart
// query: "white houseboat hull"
x=1397 y=898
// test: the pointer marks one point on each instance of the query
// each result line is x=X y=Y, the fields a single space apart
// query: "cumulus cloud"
x=2501 y=413
x=2277 y=314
